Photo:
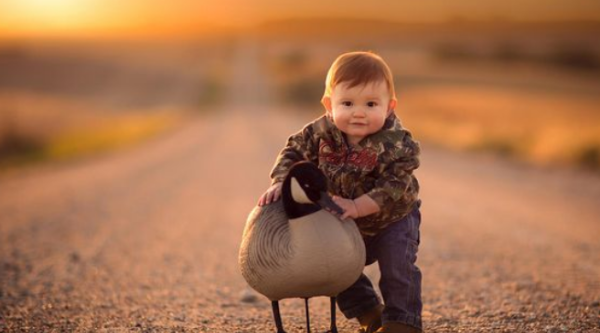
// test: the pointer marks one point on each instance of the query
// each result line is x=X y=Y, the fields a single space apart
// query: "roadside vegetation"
x=48 y=132
x=66 y=101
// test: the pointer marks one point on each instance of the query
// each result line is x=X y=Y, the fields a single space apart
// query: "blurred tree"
x=16 y=146
x=574 y=56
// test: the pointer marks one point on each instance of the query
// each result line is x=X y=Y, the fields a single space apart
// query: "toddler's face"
x=361 y=110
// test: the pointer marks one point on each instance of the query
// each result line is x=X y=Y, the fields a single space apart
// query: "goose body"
x=314 y=255
x=295 y=248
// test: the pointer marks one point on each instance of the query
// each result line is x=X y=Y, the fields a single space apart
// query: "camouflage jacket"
x=381 y=166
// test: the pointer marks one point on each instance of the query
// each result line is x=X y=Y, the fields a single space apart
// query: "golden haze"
x=70 y=18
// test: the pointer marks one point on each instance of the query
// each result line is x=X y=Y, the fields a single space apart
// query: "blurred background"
x=515 y=79
x=136 y=136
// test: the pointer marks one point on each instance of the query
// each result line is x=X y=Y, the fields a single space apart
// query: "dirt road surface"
x=146 y=240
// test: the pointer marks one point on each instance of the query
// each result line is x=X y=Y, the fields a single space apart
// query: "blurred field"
x=46 y=128
x=65 y=99
x=531 y=96
x=529 y=92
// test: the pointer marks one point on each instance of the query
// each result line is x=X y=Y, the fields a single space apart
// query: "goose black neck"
x=292 y=208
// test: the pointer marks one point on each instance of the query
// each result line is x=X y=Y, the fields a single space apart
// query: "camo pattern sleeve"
x=395 y=189
x=301 y=146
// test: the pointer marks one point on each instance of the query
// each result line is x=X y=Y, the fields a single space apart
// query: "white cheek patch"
x=298 y=193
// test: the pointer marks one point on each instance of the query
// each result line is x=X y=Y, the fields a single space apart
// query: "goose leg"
x=333 y=328
x=277 y=315
x=307 y=316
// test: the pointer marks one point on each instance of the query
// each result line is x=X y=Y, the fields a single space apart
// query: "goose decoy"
x=296 y=248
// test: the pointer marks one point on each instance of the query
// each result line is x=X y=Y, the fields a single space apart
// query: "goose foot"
x=277 y=316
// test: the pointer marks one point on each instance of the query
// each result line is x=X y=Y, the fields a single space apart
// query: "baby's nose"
x=359 y=113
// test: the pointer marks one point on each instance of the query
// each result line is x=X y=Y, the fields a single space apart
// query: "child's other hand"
x=272 y=194
x=348 y=205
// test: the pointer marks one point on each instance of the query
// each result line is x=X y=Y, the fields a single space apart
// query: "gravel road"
x=146 y=240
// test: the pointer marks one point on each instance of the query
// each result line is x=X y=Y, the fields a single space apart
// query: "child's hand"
x=349 y=207
x=271 y=195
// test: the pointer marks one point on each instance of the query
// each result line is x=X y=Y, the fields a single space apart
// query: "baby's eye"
x=371 y=104
x=347 y=103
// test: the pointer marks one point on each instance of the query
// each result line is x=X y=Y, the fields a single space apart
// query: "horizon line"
x=207 y=29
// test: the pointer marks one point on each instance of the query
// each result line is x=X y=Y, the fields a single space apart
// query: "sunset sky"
x=31 y=18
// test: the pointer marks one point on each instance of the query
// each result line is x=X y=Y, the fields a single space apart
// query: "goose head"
x=304 y=191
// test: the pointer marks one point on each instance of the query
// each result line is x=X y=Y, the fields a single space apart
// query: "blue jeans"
x=395 y=248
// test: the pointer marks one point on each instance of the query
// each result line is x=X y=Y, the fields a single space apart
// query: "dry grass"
x=545 y=129
x=38 y=128
x=116 y=133
x=59 y=101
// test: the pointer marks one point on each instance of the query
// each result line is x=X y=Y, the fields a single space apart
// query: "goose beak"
x=327 y=203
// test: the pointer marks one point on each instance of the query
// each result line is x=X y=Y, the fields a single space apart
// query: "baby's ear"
x=326 y=101
x=392 y=106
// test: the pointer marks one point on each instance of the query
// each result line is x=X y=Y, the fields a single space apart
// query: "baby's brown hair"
x=359 y=68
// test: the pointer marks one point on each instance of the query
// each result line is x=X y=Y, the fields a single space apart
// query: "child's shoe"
x=371 y=320
x=397 y=328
